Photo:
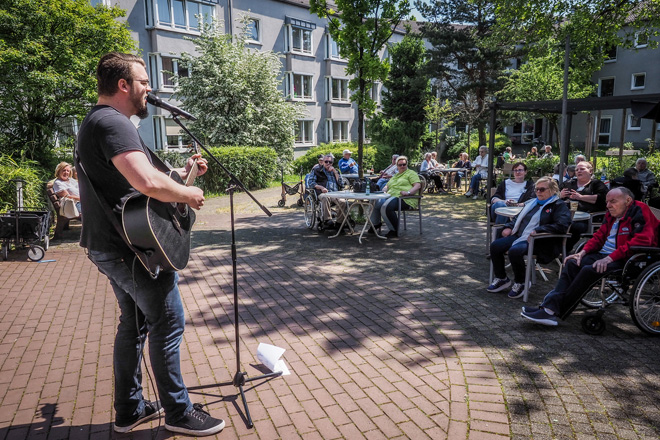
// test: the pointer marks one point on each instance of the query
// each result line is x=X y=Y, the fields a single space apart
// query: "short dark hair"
x=517 y=164
x=631 y=173
x=112 y=67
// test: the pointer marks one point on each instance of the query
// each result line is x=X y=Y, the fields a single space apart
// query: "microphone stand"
x=240 y=378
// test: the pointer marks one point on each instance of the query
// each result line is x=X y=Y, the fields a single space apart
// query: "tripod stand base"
x=240 y=379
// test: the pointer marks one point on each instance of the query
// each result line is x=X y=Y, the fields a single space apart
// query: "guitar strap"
x=157 y=162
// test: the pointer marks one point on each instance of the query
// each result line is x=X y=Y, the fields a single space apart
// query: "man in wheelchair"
x=627 y=223
x=323 y=180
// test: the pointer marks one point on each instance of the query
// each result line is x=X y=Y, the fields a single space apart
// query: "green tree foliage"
x=48 y=56
x=541 y=78
x=464 y=60
x=361 y=29
x=592 y=25
x=33 y=186
x=233 y=90
x=401 y=126
x=439 y=112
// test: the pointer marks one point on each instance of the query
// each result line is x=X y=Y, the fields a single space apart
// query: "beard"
x=140 y=104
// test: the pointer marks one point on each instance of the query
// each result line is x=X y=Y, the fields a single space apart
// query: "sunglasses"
x=327 y=161
x=541 y=190
x=402 y=164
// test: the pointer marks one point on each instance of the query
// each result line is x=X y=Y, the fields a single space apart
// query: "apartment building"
x=313 y=72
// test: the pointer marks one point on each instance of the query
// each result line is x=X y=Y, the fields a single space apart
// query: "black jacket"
x=594 y=187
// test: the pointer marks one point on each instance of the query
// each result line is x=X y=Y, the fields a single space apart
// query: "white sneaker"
x=468 y=194
x=475 y=197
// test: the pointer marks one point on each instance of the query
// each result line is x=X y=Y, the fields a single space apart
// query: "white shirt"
x=482 y=163
x=514 y=190
x=71 y=186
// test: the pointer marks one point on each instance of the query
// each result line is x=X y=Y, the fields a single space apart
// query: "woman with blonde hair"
x=65 y=185
x=546 y=213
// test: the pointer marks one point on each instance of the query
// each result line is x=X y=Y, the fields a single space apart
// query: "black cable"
x=154 y=435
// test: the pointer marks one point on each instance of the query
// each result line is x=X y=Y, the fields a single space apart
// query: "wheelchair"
x=636 y=286
x=312 y=210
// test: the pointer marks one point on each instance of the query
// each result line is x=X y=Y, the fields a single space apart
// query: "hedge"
x=310 y=158
x=33 y=187
x=254 y=166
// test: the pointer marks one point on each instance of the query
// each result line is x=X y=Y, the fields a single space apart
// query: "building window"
x=610 y=54
x=638 y=81
x=337 y=131
x=523 y=132
x=634 y=123
x=606 y=87
x=374 y=93
x=179 y=14
x=298 y=35
x=337 y=89
x=100 y=2
x=253 y=30
x=641 y=40
x=604 y=130
x=298 y=86
x=331 y=48
x=305 y=132
x=162 y=69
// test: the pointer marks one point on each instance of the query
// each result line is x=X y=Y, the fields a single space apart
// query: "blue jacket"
x=348 y=166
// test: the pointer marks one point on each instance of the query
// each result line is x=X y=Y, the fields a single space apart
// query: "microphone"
x=176 y=111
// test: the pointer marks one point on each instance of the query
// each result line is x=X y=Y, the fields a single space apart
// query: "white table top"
x=450 y=170
x=355 y=196
x=356 y=176
x=512 y=211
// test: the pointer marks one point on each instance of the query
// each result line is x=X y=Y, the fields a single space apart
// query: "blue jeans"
x=499 y=219
x=474 y=183
x=388 y=210
x=160 y=316
x=517 y=255
x=382 y=182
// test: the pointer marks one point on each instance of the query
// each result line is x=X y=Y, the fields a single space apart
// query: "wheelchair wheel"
x=281 y=203
x=593 y=299
x=310 y=212
x=300 y=202
x=593 y=324
x=36 y=253
x=645 y=300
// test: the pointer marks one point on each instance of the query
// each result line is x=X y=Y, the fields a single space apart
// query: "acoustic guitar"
x=160 y=230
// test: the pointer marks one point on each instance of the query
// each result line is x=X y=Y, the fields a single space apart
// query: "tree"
x=361 y=29
x=541 y=78
x=440 y=113
x=463 y=59
x=402 y=123
x=48 y=56
x=234 y=92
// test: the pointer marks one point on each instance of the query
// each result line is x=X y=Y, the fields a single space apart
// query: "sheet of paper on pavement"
x=270 y=355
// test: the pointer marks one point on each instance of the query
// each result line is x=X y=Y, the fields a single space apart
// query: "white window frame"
x=600 y=85
x=156 y=70
x=257 y=24
x=632 y=127
x=599 y=133
x=290 y=40
x=152 y=15
x=632 y=81
x=642 y=45
x=330 y=43
x=289 y=86
x=100 y=2
x=374 y=92
x=330 y=130
x=330 y=88
x=616 y=54
x=300 y=130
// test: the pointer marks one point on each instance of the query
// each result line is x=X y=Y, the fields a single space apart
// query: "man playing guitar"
x=116 y=163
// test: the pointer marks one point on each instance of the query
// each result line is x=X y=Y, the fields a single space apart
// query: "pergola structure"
x=645 y=106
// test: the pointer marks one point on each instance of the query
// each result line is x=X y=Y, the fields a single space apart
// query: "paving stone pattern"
x=389 y=339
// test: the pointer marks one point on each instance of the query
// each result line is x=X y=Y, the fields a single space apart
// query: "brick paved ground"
x=390 y=339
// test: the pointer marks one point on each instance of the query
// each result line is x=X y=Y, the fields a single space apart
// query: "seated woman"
x=65 y=185
x=427 y=168
x=533 y=154
x=463 y=162
x=546 y=213
x=508 y=155
x=512 y=192
x=590 y=194
x=404 y=183
x=480 y=165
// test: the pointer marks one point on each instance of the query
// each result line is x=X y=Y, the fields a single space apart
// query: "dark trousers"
x=516 y=256
x=577 y=229
x=574 y=282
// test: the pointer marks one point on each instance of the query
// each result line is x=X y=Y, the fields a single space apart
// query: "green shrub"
x=310 y=158
x=33 y=187
x=175 y=159
x=458 y=144
x=254 y=166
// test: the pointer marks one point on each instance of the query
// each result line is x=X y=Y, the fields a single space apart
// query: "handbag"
x=68 y=208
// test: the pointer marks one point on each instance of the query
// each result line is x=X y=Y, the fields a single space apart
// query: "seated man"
x=645 y=176
x=387 y=173
x=627 y=223
x=324 y=180
x=548 y=152
x=346 y=164
x=631 y=181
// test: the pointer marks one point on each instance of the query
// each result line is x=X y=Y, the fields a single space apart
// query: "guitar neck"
x=192 y=174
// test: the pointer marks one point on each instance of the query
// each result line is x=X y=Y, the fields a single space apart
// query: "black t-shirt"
x=104 y=134
x=593 y=187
